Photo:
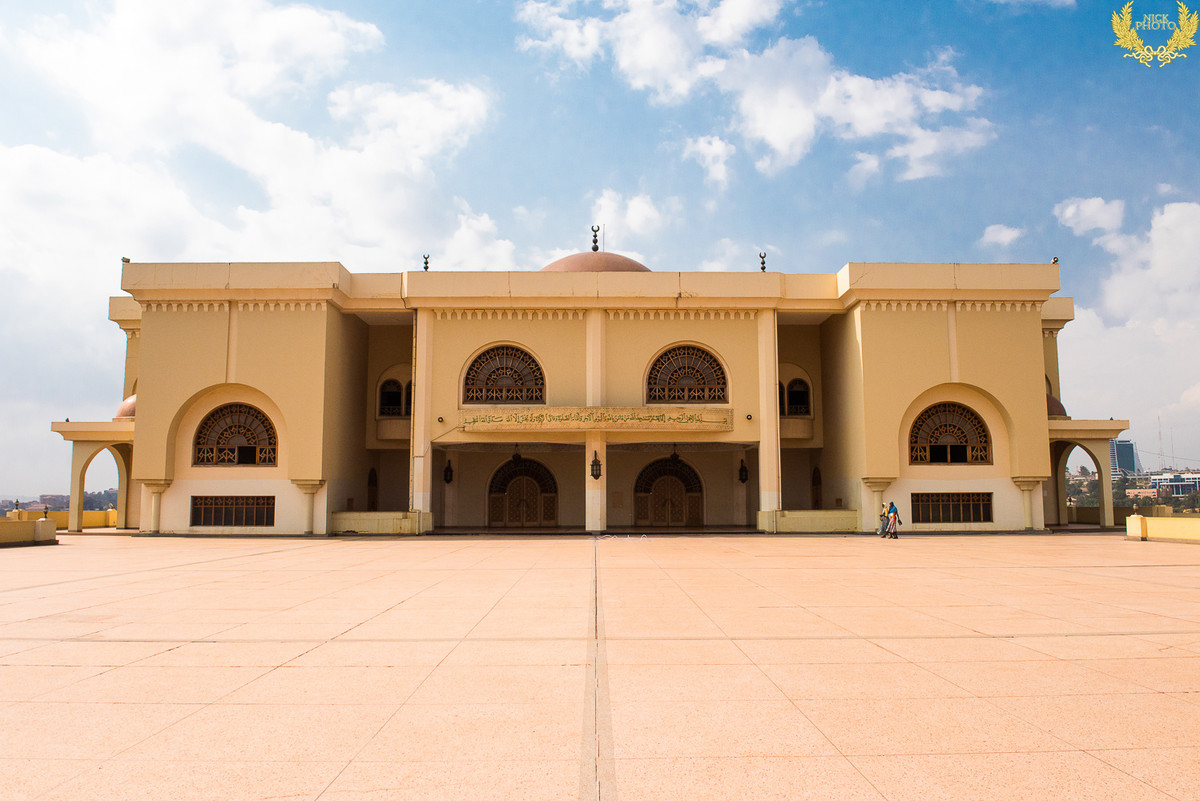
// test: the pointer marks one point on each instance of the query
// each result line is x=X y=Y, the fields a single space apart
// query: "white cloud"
x=624 y=219
x=865 y=166
x=474 y=245
x=784 y=96
x=777 y=94
x=713 y=154
x=411 y=127
x=729 y=256
x=731 y=21
x=1090 y=214
x=167 y=92
x=578 y=40
x=1001 y=235
x=362 y=195
x=1145 y=323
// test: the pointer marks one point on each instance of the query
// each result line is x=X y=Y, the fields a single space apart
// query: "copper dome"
x=595 y=262
x=128 y=407
x=1054 y=407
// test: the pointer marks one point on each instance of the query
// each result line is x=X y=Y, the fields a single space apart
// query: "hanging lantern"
x=596 y=465
x=743 y=472
x=448 y=473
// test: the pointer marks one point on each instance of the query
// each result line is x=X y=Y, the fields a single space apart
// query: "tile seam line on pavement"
x=91 y=638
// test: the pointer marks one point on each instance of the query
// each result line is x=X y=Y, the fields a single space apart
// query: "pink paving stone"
x=702 y=667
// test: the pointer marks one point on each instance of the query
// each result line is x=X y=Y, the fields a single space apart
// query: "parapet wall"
x=27 y=532
x=1163 y=529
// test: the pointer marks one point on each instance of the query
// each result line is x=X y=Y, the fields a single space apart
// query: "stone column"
x=1104 y=474
x=421 y=469
x=79 y=463
x=594 y=322
x=596 y=495
x=157 y=488
x=1027 y=484
x=309 y=487
x=768 y=413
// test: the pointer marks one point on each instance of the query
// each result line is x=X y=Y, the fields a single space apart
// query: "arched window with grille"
x=686 y=374
x=235 y=434
x=504 y=374
x=391 y=399
x=949 y=433
x=799 y=399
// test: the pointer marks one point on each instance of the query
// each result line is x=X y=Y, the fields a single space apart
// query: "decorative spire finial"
x=426 y=262
x=595 y=240
x=762 y=260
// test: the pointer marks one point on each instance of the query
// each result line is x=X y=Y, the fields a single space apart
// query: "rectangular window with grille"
x=233 y=510
x=951 y=507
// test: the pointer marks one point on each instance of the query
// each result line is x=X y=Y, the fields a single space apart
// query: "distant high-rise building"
x=1123 y=457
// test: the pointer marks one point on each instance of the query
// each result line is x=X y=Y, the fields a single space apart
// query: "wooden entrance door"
x=522 y=503
x=668 y=493
x=668 y=506
x=522 y=494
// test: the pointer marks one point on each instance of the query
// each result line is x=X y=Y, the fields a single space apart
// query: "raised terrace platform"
x=740 y=667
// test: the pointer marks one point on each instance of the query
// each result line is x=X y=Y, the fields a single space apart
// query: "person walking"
x=883 y=522
x=893 y=521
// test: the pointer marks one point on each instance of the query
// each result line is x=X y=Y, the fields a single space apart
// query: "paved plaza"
x=737 y=667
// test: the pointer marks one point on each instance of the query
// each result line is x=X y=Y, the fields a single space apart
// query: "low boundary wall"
x=1163 y=529
x=27 y=532
x=808 y=521
x=380 y=523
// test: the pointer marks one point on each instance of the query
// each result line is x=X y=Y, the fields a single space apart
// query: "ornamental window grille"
x=504 y=374
x=951 y=507
x=233 y=510
x=949 y=433
x=392 y=399
x=235 y=434
x=799 y=398
x=686 y=374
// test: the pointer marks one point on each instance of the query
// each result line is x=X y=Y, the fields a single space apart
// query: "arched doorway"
x=668 y=493
x=522 y=494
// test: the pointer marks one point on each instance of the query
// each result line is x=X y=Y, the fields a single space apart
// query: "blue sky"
x=491 y=135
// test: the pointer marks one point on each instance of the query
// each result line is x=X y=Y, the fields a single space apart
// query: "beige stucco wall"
x=842 y=461
x=192 y=361
x=344 y=463
x=310 y=344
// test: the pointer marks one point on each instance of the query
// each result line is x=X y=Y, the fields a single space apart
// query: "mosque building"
x=594 y=395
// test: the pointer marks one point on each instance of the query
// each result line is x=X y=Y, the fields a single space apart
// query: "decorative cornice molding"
x=185 y=306
x=905 y=305
x=999 y=305
x=281 y=305
x=508 y=314
x=682 y=314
